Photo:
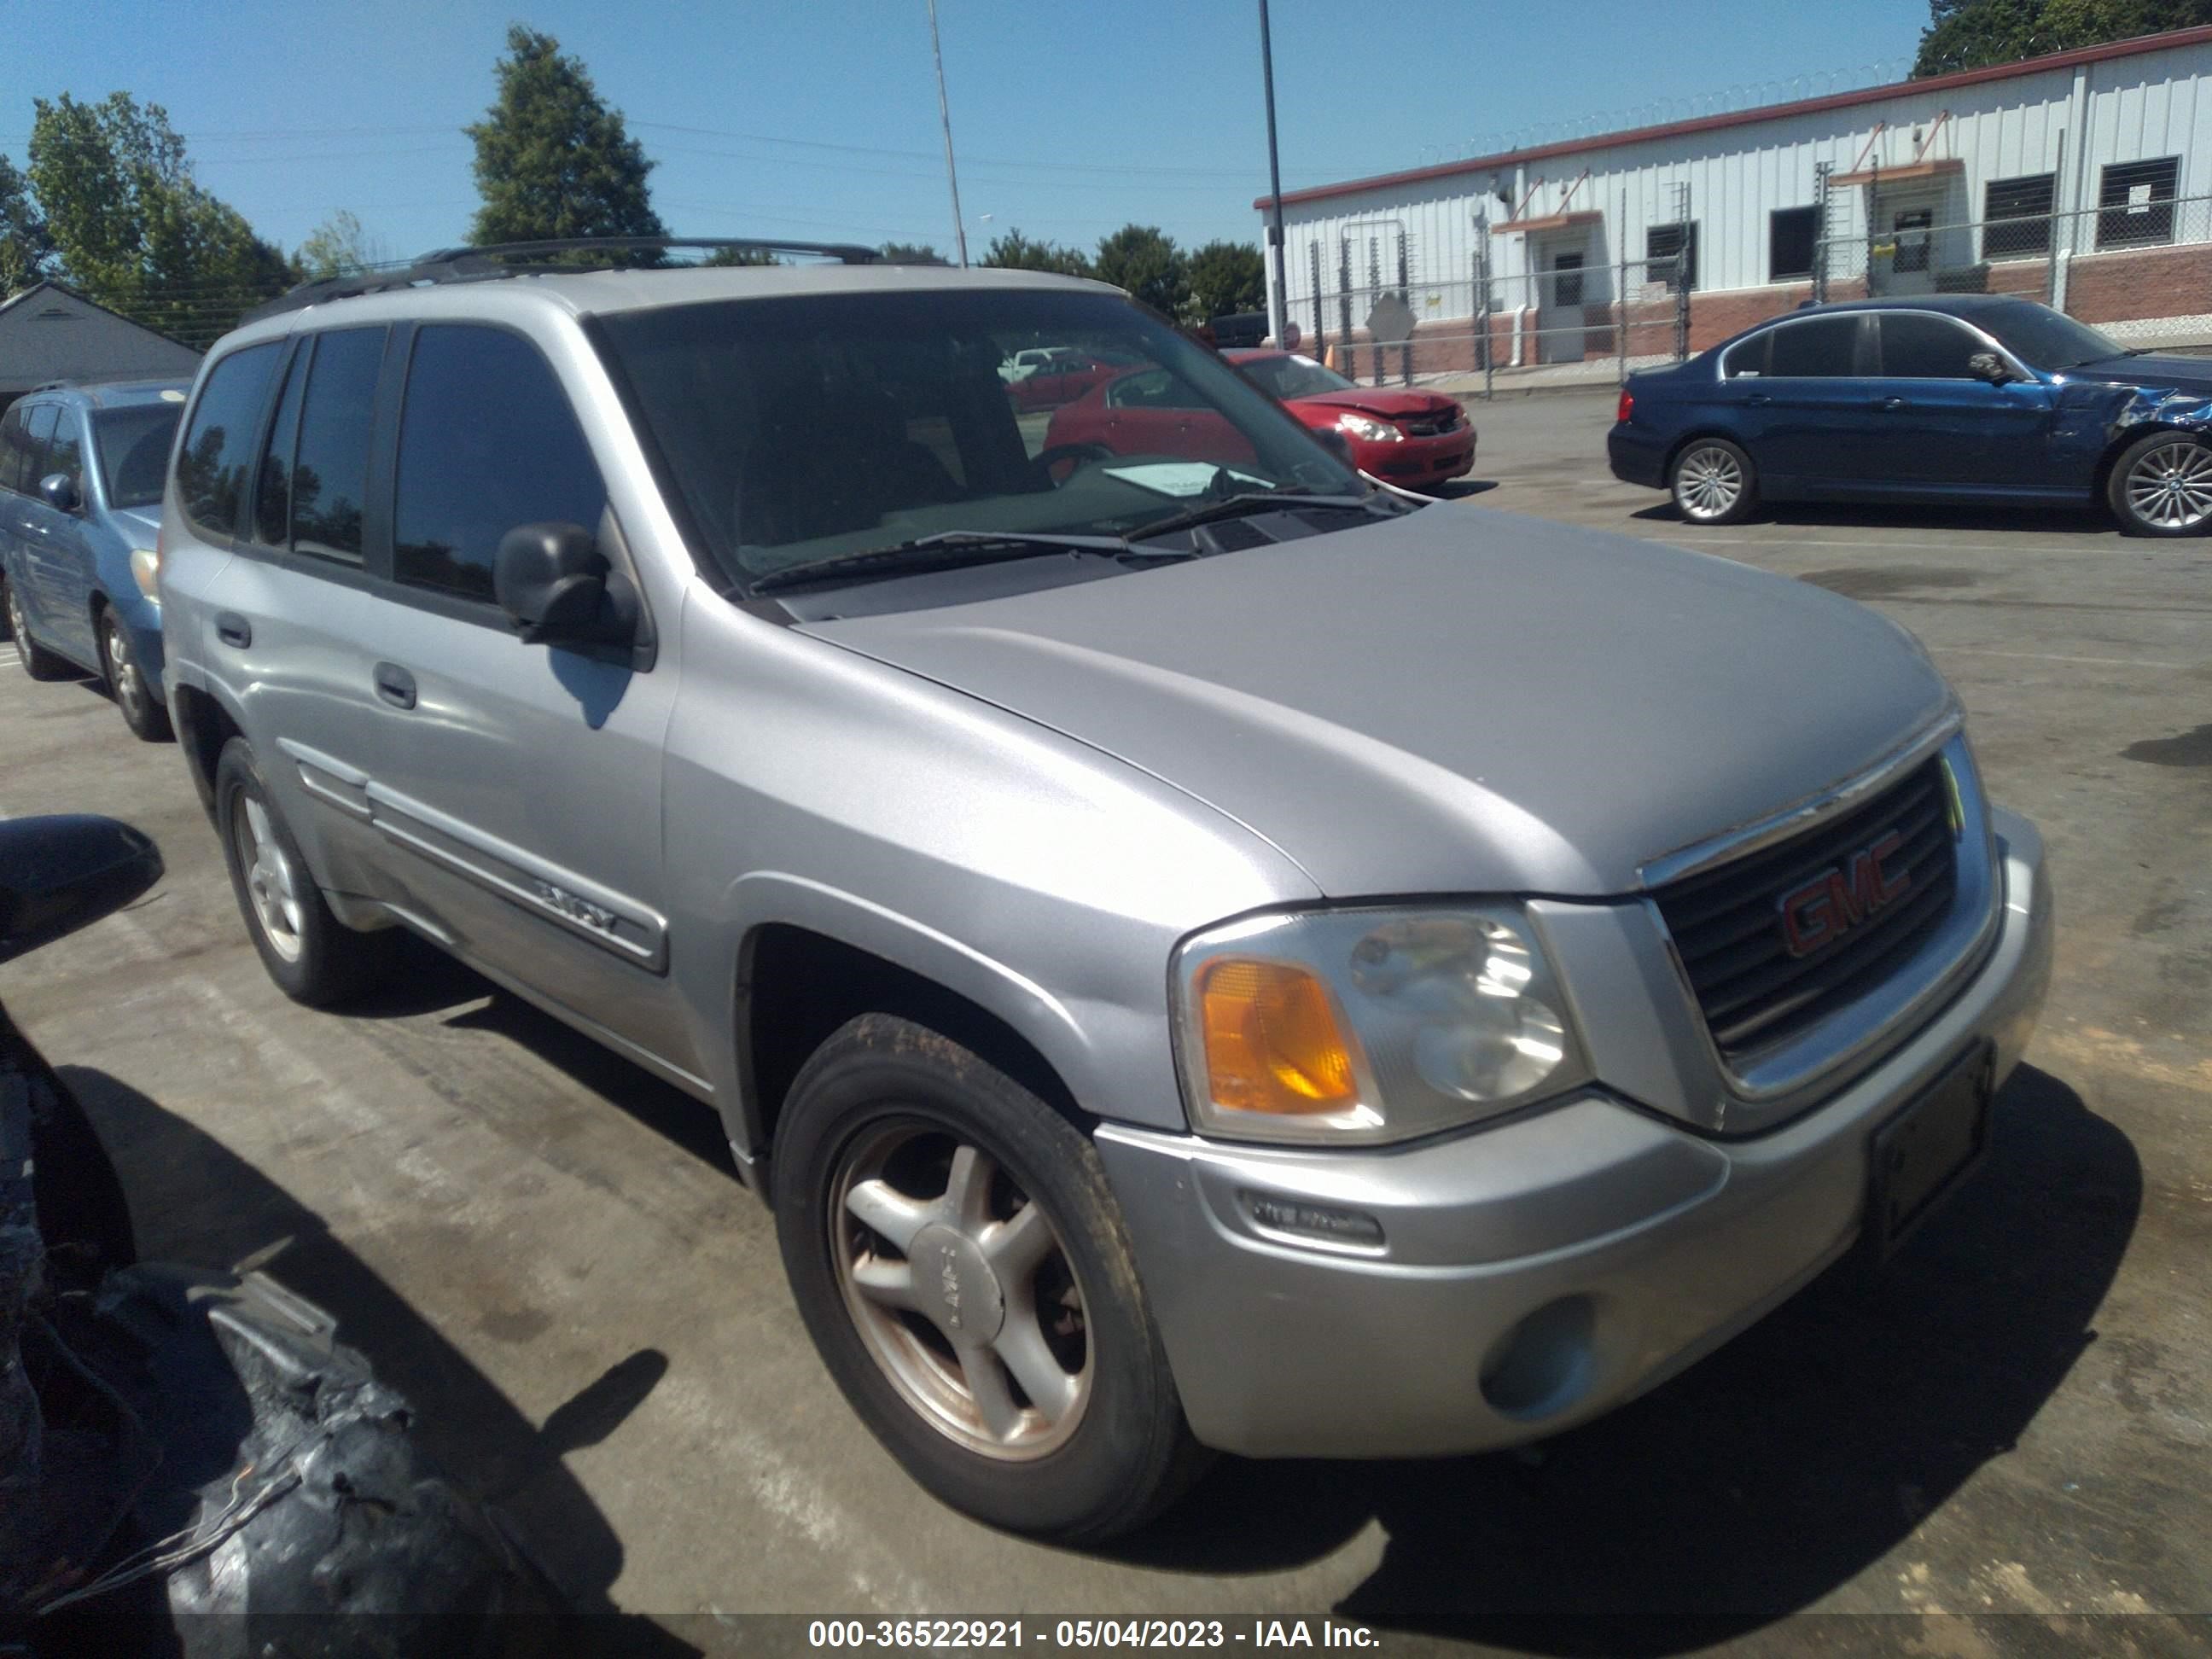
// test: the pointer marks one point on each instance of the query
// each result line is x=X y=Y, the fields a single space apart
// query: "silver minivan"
x=1200 y=951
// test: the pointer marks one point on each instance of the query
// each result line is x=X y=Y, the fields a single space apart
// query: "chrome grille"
x=1728 y=929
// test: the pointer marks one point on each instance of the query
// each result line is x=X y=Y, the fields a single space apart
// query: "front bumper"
x=1419 y=460
x=1532 y=1275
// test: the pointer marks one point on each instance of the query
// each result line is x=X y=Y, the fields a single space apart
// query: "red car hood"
x=1378 y=400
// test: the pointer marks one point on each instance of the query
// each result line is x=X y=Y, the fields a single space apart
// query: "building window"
x=2016 y=217
x=1672 y=253
x=2134 y=203
x=1791 y=234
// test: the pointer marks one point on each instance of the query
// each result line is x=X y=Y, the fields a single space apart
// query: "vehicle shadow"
x=1458 y=489
x=2042 y=519
x=195 y=1201
x=1761 y=1479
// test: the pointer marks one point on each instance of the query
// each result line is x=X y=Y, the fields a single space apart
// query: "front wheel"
x=126 y=682
x=38 y=663
x=2161 y=485
x=1713 y=481
x=963 y=1269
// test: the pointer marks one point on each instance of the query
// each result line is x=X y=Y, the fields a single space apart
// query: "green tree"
x=133 y=230
x=1145 y=260
x=1969 y=34
x=740 y=256
x=911 y=253
x=552 y=160
x=340 y=247
x=25 y=242
x=1226 y=277
x=1015 y=251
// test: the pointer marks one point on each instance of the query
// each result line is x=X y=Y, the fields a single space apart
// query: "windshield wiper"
x=947 y=549
x=1243 y=505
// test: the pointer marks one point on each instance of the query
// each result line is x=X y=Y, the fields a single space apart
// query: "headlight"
x=1369 y=1025
x=1373 y=431
x=145 y=568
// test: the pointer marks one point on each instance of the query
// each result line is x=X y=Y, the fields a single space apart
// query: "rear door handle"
x=395 y=685
x=1759 y=400
x=1889 y=405
x=232 y=630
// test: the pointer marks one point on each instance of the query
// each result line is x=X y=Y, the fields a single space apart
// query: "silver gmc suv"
x=1200 y=951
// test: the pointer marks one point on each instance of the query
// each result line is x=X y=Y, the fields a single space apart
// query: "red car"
x=1062 y=379
x=1413 y=438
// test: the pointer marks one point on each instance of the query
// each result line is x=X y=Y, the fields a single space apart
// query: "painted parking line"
x=2047 y=656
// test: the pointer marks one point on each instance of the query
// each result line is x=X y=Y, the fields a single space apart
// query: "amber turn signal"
x=1272 y=1041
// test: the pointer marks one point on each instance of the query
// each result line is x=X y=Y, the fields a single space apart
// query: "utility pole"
x=944 y=115
x=1281 y=305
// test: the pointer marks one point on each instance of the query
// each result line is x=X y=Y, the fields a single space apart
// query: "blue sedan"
x=1949 y=397
x=81 y=475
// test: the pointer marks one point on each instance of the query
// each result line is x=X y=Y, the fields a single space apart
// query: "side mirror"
x=1988 y=365
x=57 y=874
x=59 y=491
x=559 y=589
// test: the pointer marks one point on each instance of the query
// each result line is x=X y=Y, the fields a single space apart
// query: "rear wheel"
x=963 y=1270
x=38 y=663
x=2161 y=485
x=1713 y=481
x=314 y=957
x=126 y=681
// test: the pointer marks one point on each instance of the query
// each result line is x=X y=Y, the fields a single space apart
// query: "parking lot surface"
x=548 y=1251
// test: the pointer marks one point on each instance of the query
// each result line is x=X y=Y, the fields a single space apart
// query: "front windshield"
x=2046 y=338
x=134 y=451
x=814 y=427
x=1286 y=375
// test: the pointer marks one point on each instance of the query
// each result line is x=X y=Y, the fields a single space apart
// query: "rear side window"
x=1750 y=356
x=316 y=475
x=1916 y=346
x=487 y=442
x=14 y=450
x=218 y=448
x=37 y=439
x=1819 y=348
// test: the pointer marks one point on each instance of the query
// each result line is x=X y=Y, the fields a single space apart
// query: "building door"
x=1559 y=308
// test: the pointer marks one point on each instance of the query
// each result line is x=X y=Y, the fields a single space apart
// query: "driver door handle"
x=1889 y=405
x=1759 y=400
x=395 y=685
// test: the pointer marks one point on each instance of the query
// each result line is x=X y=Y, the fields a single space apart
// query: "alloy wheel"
x=961 y=1291
x=270 y=883
x=2170 y=486
x=123 y=678
x=1708 y=483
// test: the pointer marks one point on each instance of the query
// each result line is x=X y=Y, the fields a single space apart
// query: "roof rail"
x=491 y=262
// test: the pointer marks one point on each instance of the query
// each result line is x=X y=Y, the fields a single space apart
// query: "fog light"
x=1544 y=1363
x=1323 y=1222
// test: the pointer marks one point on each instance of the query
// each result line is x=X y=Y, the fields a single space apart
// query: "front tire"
x=38 y=663
x=126 y=682
x=963 y=1269
x=314 y=957
x=2161 y=485
x=1713 y=481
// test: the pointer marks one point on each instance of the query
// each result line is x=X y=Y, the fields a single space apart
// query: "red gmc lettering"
x=1833 y=903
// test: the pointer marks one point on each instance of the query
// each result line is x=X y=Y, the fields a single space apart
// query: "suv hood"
x=1457 y=701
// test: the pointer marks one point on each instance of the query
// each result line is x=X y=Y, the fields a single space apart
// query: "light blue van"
x=81 y=474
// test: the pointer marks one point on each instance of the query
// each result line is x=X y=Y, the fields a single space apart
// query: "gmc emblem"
x=1824 y=909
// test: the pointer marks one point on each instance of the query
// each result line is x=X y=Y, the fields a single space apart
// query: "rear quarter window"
x=217 y=453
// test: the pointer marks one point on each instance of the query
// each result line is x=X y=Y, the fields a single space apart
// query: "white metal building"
x=2055 y=177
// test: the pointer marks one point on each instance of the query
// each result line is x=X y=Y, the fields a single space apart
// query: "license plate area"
x=1923 y=1151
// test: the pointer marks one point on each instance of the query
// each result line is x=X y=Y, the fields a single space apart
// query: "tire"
x=890 y=1119
x=2161 y=485
x=126 y=682
x=313 y=958
x=38 y=663
x=1713 y=481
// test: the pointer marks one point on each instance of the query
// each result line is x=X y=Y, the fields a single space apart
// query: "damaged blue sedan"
x=1933 y=398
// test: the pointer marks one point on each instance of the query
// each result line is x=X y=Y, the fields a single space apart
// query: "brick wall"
x=2152 y=282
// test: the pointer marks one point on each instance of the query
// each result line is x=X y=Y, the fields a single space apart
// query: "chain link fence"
x=2139 y=269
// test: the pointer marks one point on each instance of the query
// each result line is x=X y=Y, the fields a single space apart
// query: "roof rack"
x=494 y=260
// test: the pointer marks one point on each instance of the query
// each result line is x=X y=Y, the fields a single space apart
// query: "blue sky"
x=819 y=119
